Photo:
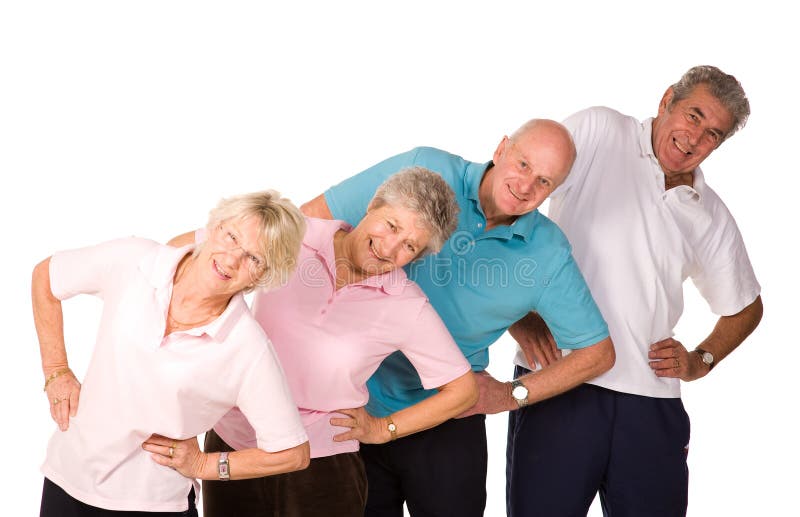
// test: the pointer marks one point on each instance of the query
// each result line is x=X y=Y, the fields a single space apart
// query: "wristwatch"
x=391 y=427
x=223 y=467
x=706 y=356
x=519 y=392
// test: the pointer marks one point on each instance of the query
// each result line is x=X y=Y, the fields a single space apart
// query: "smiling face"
x=387 y=238
x=686 y=133
x=231 y=259
x=527 y=168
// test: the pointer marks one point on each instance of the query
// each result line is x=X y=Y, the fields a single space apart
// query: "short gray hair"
x=425 y=193
x=724 y=87
x=281 y=230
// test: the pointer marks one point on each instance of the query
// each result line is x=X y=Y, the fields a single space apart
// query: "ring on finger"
x=56 y=401
x=171 y=451
x=677 y=363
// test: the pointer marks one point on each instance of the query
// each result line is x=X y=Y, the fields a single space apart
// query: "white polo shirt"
x=140 y=382
x=635 y=243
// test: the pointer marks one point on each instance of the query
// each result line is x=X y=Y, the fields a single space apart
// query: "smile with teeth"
x=374 y=251
x=680 y=147
x=220 y=271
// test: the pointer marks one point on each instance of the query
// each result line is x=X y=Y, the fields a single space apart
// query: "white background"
x=120 y=118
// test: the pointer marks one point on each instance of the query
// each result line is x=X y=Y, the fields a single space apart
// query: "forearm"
x=181 y=240
x=452 y=399
x=731 y=331
x=253 y=463
x=317 y=207
x=48 y=318
x=576 y=368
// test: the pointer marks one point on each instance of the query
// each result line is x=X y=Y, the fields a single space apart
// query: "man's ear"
x=665 y=101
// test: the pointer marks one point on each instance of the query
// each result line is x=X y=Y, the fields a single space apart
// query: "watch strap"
x=390 y=425
x=703 y=357
x=223 y=467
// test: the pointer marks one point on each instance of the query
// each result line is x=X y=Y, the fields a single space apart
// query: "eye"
x=411 y=248
x=232 y=237
x=391 y=226
x=713 y=137
x=254 y=261
x=692 y=117
x=544 y=182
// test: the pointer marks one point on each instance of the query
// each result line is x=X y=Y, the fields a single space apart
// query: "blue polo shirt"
x=481 y=282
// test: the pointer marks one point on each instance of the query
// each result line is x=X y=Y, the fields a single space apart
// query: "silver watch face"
x=708 y=357
x=519 y=392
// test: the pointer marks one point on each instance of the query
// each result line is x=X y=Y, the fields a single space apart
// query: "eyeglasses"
x=231 y=240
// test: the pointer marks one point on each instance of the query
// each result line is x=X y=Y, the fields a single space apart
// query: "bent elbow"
x=607 y=356
x=473 y=393
x=301 y=457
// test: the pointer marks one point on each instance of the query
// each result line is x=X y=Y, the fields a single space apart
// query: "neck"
x=493 y=216
x=190 y=302
x=346 y=272
x=674 y=180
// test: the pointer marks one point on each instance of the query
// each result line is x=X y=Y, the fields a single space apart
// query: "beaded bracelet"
x=53 y=376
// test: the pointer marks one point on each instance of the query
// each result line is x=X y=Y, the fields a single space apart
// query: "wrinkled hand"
x=493 y=396
x=184 y=456
x=63 y=393
x=535 y=340
x=363 y=427
x=669 y=358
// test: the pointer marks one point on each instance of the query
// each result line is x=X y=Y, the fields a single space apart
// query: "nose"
x=695 y=134
x=391 y=245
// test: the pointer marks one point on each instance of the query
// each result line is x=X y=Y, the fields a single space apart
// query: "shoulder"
x=547 y=235
x=599 y=118
x=438 y=160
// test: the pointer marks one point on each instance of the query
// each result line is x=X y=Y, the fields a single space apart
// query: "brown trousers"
x=330 y=486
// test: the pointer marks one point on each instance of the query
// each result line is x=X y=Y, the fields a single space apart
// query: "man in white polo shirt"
x=641 y=219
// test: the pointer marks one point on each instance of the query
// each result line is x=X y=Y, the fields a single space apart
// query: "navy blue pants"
x=440 y=472
x=563 y=450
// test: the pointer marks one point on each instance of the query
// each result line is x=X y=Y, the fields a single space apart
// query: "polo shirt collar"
x=646 y=149
x=159 y=266
x=319 y=238
x=522 y=227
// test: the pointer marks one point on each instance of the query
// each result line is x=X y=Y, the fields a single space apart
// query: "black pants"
x=332 y=486
x=440 y=472
x=57 y=503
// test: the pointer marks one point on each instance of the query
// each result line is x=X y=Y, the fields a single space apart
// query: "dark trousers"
x=330 y=486
x=57 y=503
x=630 y=448
x=440 y=472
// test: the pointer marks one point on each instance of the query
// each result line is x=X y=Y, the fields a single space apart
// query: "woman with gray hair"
x=348 y=306
x=176 y=350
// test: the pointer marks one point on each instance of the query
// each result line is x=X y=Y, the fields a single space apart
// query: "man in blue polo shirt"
x=504 y=260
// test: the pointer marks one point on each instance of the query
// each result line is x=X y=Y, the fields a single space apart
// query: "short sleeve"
x=265 y=400
x=724 y=275
x=568 y=308
x=432 y=351
x=349 y=199
x=583 y=126
x=94 y=269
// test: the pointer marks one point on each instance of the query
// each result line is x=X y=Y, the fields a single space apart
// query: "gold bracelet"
x=391 y=427
x=53 y=376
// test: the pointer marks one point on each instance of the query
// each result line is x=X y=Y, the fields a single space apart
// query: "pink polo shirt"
x=140 y=382
x=330 y=342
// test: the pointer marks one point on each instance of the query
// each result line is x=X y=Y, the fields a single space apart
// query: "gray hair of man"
x=281 y=228
x=425 y=193
x=724 y=87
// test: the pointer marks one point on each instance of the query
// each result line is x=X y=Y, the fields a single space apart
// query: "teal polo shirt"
x=480 y=282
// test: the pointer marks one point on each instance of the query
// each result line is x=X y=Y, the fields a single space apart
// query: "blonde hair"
x=281 y=230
